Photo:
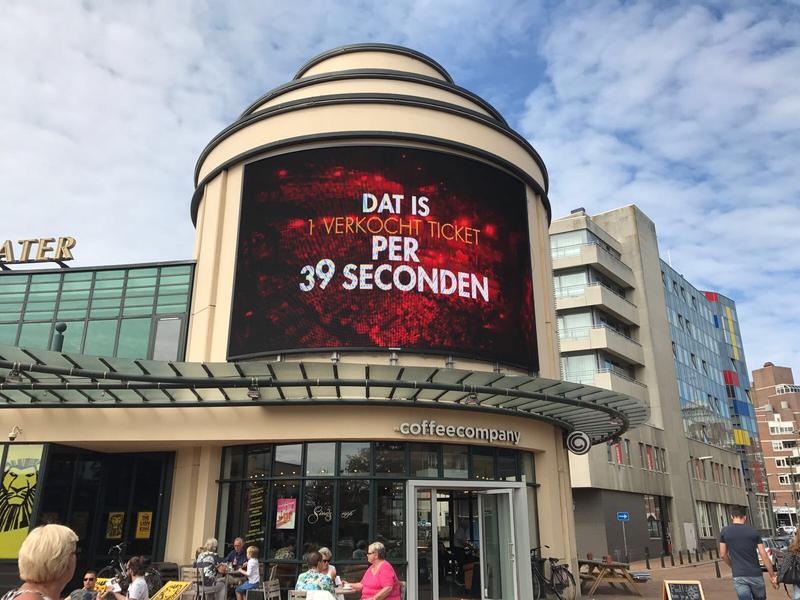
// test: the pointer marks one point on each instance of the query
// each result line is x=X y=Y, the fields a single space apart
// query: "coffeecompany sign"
x=36 y=250
x=465 y=432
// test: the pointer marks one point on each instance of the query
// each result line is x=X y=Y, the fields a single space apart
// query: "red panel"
x=712 y=296
x=731 y=377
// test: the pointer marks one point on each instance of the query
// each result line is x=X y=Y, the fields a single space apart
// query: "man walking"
x=739 y=546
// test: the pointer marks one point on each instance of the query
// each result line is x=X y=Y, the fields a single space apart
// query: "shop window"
x=353 y=519
x=528 y=467
x=483 y=463
x=355 y=458
x=704 y=520
x=390 y=522
x=454 y=461
x=424 y=460
x=318 y=513
x=259 y=459
x=234 y=462
x=507 y=465
x=283 y=520
x=288 y=458
x=390 y=458
x=653 y=516
x=321 y=459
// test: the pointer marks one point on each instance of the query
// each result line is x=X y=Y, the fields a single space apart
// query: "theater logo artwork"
x=17 y=495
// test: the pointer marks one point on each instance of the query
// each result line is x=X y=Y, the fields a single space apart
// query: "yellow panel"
x=741 y=437
x=734 y=342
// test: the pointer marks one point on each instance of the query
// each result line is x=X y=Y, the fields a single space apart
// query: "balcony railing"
x=571 y=291
x=587 y=377
x=575 y=250
x=581 y=333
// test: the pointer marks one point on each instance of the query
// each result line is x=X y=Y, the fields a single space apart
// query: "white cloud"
x=691 y=113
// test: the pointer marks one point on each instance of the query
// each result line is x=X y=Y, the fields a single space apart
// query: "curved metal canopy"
x=41 y=378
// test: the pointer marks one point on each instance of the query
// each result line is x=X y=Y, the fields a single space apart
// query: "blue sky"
x=691 y=111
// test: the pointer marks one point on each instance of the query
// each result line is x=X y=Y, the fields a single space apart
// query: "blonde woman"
x=325 y=567
x=46 y=563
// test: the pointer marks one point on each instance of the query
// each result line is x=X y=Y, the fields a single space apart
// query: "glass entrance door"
x=498 y=556
x=466 y=537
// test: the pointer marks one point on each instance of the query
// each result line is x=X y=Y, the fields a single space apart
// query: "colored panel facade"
x=699 y=364
x=737 y=392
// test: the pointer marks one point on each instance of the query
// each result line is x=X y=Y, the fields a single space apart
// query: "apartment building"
x=777 y=401
x=618 y=307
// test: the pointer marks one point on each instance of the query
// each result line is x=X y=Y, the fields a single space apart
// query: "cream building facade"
x=294 y=441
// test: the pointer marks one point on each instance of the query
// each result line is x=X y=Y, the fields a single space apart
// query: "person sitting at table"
x=209 y=560
x=379 y=581
x=325 y=567
x=237 y=557
x=251 y=572
x=313 y=579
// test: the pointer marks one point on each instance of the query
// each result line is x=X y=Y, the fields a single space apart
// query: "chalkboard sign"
x=683 y=590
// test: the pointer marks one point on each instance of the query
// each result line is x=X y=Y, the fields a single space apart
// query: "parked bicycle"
x=116 y=569
x=561 y=582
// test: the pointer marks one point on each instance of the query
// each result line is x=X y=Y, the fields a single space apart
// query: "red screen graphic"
x=383 y=247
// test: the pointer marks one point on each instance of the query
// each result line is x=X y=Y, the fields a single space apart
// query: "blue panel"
x=742 y=408
x=716 y=321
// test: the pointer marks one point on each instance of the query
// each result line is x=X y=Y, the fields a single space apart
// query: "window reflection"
x=355 y=458
x=288 y=459
x=318 y=515
x=353 y=520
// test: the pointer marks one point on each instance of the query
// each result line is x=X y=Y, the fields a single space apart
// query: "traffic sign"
x=623 y=516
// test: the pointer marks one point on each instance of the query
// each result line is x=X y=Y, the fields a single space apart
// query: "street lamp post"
x=691 y=496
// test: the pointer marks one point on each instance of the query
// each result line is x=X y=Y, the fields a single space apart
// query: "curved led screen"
x=365 y=247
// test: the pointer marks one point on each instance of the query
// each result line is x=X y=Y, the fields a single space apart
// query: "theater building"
x=362 y=348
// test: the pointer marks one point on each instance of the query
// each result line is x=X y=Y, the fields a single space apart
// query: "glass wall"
x=128 y=312
x=289 y=499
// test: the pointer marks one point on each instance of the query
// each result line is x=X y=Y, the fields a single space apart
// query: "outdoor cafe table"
x=337 y=591
x=595 y=572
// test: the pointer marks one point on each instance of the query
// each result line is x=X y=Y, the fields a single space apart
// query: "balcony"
x=599 y=337
x=593 y=254
x=611 y=379
x=596 y=294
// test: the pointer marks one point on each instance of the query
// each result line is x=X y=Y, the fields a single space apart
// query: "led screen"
x=383 y=247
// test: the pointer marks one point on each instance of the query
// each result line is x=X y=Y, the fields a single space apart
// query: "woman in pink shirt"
x=380 y=581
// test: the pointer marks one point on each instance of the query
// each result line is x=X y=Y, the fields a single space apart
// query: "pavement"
x=713 y=588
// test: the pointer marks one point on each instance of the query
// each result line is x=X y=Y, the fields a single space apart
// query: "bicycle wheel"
x=107 y=573
x=153 y=579
x=538 y=585
x=564 y=583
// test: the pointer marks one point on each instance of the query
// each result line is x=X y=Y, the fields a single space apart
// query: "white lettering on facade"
x=432 y=428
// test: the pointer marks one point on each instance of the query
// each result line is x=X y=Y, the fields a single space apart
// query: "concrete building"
x=617 y=312
x=777 y=401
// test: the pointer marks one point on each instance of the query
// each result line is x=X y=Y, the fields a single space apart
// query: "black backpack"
x=789 y=571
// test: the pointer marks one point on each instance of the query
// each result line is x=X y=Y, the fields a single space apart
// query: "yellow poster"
x=100 y=584
x=114 y=525
x=171 y=590
x=17 y=494
x=144 y=522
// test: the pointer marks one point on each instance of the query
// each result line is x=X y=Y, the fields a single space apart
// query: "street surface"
x=713 y=588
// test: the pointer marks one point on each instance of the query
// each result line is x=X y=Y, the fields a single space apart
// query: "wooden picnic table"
x=595 y=572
